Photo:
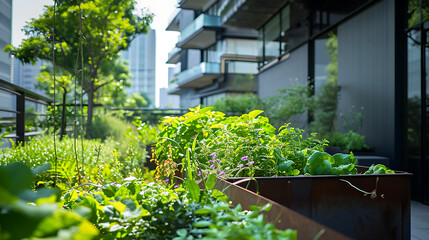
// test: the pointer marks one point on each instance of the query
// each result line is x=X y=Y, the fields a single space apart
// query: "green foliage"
x=279 y=109
x=109 y=125
x=102 y=163
x=233 y=146
x=379 y=169
x=43 y=218
x=350 y=141
x=140 y=210
x=240 y=104
x=321 y=163
x=137 y=100
x=92 y=31
x=288 y=103
x=227 y=223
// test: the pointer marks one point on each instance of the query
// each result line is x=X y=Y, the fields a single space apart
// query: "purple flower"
x=167 y=180
x=222 y=173
x=212 y=166
x=240 y=166
x=213 y=155
x=211 y=161
x=244 y=158
x=176 y=186
x=199 y=174
x=249 y=163
x=217 y=160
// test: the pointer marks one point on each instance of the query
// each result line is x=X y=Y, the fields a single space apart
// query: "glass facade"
x=417 y=117
x=297 y=22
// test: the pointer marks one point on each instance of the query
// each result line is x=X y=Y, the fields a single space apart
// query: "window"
x=286 y=30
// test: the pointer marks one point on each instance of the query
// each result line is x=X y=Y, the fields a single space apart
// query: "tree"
x=62 y=81
x=84 y=35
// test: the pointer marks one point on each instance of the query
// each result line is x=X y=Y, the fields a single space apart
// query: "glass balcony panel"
x=174 y=55
x=199 y=76
x=241 y=47
x=173 y=88
x=201 y=33
x=243 y=67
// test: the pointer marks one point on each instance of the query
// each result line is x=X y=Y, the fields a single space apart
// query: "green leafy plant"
x=245 y=145
x=379 y=169
x=43 y=218
x=321 y=163
x=350 y=141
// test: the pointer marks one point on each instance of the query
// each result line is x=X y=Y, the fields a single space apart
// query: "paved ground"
x=419 y=221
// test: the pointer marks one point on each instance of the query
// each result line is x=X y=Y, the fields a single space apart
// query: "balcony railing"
x=173 y=88
x=173 y=21
x=194 y=4
x=199 y=76
x=201 y=33
x=173 y=55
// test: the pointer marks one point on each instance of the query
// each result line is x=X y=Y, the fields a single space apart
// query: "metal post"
x=20 y=118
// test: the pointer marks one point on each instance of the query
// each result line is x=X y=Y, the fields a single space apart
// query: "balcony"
x=195 y=4
x=199 y=76
x=173 y=21
x=248 y=13
x=173 y=89
x=201 y=33
x=174 y=55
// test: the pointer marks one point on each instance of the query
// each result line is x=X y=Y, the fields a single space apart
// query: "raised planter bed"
x=336 y=202
x=279 y=215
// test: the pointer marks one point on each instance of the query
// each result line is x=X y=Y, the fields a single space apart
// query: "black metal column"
x=20 y=117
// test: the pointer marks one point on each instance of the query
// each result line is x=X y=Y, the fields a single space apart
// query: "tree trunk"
x=90 y=93
x=63 y=117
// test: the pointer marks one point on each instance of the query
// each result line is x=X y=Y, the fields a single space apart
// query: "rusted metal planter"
x=336 y=202
x=279 y=215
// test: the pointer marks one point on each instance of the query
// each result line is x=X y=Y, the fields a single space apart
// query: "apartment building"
x=5 y=38
x=214 y=60
x=376 y=51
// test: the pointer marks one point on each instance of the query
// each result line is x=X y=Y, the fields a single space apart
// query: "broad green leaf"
x=210 y=182
x=255 y=113
x=194 y=189
x=219 y=195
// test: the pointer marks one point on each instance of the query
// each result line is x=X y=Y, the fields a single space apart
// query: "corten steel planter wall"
x=335 y=203
x=279 y=215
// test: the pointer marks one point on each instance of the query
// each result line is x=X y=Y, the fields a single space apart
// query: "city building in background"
x=24 y=75
x=141 y=61
x=5 y=38
x=215 y=60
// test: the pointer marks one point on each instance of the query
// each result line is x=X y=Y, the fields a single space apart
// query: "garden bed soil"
x=336 y=202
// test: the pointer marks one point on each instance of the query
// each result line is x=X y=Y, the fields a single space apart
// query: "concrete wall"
x=366 y=73
x=189 y=98
x=284 y=74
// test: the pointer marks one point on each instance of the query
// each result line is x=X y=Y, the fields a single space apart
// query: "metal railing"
x=17 y=107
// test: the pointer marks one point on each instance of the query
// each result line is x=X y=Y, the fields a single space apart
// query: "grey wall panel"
x=293 y=70
x=366 y=73
x=189 y=98
x=283 y=74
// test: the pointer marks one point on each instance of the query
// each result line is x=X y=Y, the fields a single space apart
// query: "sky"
x=24 y=10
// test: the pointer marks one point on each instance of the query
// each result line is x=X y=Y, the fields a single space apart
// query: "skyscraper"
x=141 y=60
x=5 y=37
